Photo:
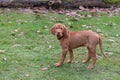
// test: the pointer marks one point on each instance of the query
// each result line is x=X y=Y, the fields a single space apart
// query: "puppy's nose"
x=58 y=33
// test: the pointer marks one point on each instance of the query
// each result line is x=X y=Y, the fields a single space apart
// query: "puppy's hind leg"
x=88 y=56
x=93 y=56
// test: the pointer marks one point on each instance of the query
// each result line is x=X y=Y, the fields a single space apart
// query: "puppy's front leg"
x=64 y=52
x=71 y=56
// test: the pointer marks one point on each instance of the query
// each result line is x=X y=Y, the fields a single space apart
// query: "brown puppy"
x=70 y=40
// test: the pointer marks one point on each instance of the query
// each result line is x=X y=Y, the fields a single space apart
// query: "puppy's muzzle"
x=58 y=33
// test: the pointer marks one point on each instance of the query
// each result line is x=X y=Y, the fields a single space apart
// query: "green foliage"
x=111 y=1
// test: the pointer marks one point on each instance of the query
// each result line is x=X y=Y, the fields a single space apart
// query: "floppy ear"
x=65 y=31
x=53 y=30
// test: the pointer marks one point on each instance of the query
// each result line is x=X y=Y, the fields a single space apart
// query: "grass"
x=26 y=40
x=111 y=1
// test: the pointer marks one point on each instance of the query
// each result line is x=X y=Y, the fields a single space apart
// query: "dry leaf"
x=27 y=75
x=50 y=47
x=76 y=62
x=111 y=40
x=38 y=31
x=16 y=45
x=4 y=58
x=2 y=51
x=89 y=16
x=22 y=34
x=44 y=69
x=85 y=26
x=98 y=30
x=46 y=27
x=110 y=53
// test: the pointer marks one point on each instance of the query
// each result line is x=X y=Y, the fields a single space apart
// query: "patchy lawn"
x=28 y=50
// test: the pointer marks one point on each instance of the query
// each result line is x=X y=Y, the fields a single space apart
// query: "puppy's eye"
x=61 y=28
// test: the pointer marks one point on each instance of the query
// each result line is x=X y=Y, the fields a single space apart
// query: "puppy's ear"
x=65 y=31
x=53 y=30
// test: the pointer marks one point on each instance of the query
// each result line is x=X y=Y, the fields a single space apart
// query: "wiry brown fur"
x=70 y=40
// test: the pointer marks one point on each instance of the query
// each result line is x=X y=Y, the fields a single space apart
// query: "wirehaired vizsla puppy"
x=71 y=40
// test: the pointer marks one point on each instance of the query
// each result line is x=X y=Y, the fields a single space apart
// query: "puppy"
x=71 y=40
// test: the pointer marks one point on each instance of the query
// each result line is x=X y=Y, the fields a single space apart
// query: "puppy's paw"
x=90 y=67
x=69 y=61
x=84 y=61
x=57 y=64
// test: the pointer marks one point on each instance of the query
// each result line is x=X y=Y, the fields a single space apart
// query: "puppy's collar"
x=60 y=38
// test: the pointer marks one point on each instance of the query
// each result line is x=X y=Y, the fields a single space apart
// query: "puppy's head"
x=58 y=30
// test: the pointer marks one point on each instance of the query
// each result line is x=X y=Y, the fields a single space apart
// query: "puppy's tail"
x=100 y=44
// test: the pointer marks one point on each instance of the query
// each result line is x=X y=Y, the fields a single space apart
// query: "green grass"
x=111 y=1
x=25 y=55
